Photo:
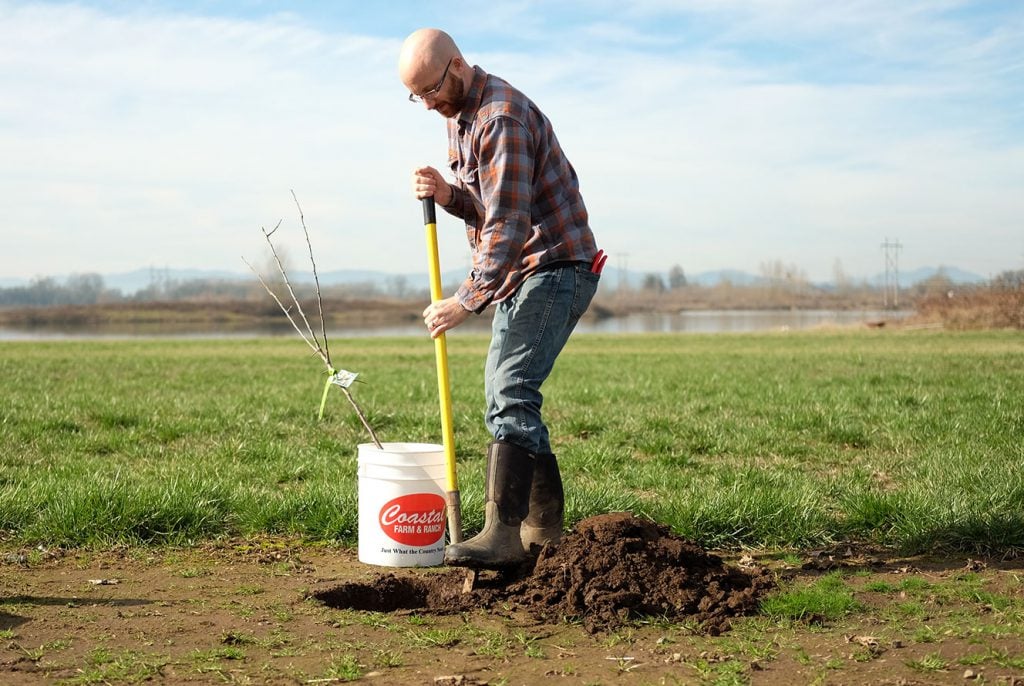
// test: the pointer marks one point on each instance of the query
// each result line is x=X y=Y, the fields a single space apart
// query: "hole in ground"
x=384 y=594
x=438 y=593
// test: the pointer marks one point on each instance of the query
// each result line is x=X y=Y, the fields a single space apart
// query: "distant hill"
x=136 y=280
x=913 y=276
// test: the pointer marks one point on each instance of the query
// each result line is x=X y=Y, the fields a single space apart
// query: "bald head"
x=425 y=53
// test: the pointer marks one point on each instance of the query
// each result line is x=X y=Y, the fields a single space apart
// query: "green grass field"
x=905 y=439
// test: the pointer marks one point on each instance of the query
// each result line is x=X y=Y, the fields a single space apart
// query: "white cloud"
x=169 y=139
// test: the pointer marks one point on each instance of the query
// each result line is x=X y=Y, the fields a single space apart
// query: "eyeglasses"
x=433 y=91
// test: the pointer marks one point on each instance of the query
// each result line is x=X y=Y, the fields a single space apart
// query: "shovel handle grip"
x=429 y=211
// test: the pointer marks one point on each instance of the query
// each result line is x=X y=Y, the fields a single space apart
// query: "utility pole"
x=892 y=273
x=623 y=277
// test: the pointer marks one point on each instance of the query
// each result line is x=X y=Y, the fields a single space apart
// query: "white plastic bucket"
x=401 y=504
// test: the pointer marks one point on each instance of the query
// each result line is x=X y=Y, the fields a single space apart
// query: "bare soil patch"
x=247 y=612
x=610 y=570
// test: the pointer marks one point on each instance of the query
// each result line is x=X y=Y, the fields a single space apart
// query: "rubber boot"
x=509 y=475
x=546 y=518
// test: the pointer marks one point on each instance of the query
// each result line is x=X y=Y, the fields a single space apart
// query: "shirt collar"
x=473 y=98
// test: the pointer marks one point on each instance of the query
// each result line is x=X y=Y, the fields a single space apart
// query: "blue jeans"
x=528 y=331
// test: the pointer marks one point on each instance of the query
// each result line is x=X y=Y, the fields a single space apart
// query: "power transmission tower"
x=623 y=275
x=892 y=273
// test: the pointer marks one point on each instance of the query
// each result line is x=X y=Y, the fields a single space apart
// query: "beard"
x=452 y=104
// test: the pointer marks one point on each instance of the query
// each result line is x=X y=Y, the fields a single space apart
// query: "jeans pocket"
x=586 y=287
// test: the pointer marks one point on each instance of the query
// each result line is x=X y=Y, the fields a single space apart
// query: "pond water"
x=709 y=321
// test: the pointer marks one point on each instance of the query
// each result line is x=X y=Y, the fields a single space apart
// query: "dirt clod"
x=456 y=680
x=611 y=569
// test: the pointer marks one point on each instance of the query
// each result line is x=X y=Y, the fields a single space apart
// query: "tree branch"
x=316 y=348
x=362 y=418
x=316 y=278
x=288 y=285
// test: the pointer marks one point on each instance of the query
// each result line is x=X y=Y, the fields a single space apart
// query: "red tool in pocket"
x=598 y=264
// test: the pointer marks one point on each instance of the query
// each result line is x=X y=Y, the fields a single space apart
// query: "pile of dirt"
x=617 y=567
x=611 y=569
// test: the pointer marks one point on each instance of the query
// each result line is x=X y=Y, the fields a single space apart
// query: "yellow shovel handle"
x=443 y=382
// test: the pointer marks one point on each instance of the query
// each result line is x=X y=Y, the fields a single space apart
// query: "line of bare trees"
x=90 y=289
x=778 y=286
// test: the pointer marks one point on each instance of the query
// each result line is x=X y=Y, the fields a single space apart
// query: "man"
x=533 y=256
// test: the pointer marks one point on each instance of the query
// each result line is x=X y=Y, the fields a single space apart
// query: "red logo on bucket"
x=415 y=519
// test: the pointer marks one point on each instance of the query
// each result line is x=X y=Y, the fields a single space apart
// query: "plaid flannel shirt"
x=515 y=190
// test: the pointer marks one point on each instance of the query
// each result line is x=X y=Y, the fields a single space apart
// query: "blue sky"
x=711 y=134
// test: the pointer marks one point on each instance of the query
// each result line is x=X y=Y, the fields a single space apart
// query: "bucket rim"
x=401 y=447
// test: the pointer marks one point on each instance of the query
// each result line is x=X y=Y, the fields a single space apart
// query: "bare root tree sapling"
x=335 y=377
